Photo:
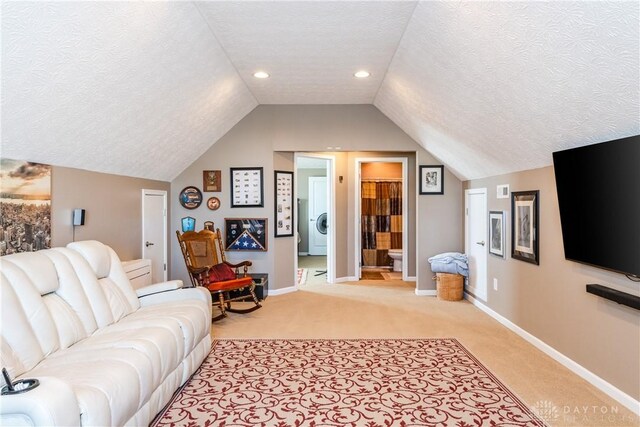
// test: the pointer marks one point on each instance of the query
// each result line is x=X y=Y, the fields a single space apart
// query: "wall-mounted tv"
x=599 y=195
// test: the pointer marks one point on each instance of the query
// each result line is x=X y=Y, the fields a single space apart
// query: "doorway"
x=381 y=220
x=317 y=215
x=315 y=262
x=154 y=232
x=475 y=240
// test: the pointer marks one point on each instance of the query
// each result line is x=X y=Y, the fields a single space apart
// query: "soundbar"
x=623 y=298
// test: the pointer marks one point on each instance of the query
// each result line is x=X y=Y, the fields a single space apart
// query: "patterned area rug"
x=302 y=276
x=369 y=383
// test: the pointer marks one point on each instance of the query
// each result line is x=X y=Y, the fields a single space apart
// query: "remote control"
x=7 y=379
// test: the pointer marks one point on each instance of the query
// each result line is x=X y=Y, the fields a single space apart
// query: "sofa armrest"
x=52 y=403
x=198 y=293
x=156 y=288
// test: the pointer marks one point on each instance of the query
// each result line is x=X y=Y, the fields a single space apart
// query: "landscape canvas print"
x=25 y=206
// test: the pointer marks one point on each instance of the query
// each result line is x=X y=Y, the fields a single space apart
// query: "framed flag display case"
x=245 y=234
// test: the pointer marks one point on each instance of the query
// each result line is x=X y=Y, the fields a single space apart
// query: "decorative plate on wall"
x=213 y=203
x=190 y=197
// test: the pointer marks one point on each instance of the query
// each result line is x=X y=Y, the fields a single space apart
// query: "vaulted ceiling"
x=144 y=88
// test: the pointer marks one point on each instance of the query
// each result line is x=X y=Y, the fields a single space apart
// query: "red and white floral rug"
x=364 y=382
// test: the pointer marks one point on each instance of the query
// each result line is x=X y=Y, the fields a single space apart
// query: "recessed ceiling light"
x=260 y=75
x=362 y=74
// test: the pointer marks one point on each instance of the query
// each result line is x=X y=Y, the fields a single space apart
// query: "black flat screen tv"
x=599 y=196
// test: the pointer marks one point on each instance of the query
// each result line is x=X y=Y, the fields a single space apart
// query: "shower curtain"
x=381 y=221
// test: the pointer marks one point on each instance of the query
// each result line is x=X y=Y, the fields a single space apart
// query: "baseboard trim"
x=346 y=279
x=411 y=279
x=282 y=291
x=426 y=292
x=601 y=384
x=303 y=253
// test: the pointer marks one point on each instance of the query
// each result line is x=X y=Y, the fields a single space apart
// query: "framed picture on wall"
x=524 y=226
x=247 y=189
x=497 y=233
x=245 y=234
x=284 y=203
x=431 y=179
x=212 y=181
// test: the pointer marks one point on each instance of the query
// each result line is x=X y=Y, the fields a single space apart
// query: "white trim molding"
x=346 y=279
x=358 y=209
x=426 y=292
x=282 y=291
x=601 y=384
x=411 y=279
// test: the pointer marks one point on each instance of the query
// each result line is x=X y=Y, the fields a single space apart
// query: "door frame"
x=162 y=193
x=467 y=243
x=331 y=211
x=405 y=211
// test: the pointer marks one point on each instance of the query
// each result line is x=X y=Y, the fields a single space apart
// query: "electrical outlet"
x=495 y=284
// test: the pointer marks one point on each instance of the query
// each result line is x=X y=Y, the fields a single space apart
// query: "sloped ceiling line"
x=395 y=52
x=213 y=34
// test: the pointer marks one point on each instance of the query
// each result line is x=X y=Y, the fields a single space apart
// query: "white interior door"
x=318 y=215
x=476 y=240
x=154 y=232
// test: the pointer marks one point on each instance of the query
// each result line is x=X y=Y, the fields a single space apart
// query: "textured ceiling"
x=310 y=49
x=496 y=87
x=132 y=88
x=143 y=88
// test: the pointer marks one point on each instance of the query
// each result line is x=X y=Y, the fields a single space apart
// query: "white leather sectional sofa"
x=104 y=354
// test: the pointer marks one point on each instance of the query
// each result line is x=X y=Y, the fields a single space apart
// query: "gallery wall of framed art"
x=525 y=230
x=497 y=235
x=245 y=234
x=431 y=179
x=247 y=187
x=284 y=195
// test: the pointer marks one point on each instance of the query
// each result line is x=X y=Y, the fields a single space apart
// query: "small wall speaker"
x=78 y=217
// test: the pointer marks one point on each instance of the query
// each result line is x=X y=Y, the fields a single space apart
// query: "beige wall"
x=113 y=205
x=550 y=302
x=269 y=135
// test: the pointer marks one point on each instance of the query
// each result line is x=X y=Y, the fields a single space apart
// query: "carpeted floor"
x=360 y=382
x=392 y=275
x=390 y=309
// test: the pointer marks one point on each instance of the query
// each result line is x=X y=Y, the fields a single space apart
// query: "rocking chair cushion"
x=221 y=272
x=229 y=285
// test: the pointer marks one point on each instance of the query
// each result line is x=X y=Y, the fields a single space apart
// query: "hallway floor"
x=315 y=264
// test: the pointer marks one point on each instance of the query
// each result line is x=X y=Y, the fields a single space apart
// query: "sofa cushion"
x=110 y=274
x=38 y=268
x=110 y=384
x=95 y=254
x=29 y=328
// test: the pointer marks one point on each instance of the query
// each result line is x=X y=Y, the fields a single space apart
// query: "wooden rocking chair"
x=206 y=263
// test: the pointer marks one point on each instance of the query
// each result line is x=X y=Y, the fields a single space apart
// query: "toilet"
x=396 y=256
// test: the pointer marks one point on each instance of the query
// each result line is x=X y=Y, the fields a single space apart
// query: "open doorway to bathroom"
x=381 y=242
x=313 y=205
